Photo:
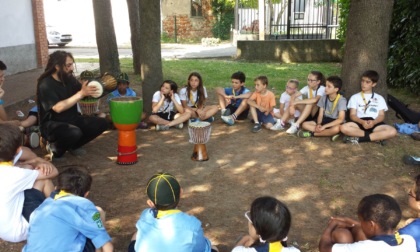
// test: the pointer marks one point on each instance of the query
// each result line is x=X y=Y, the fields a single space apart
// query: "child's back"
x=176 y=231
x=162 y=227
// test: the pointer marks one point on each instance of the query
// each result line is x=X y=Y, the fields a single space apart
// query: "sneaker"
x=256 y=128
x=303 y=134
x=277 y=126
x=411 y=160
x=335 y=137
x=210 y=119
x=193 y=120
x=179 y=126
x=228 y=120
x=293 y=129
x=78 y=152
x=349 y=139
x=225 y=112
x=142 y=125
x=291 y=121
x=161 y=127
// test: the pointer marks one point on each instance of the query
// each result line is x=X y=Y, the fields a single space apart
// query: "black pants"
x=72 y=135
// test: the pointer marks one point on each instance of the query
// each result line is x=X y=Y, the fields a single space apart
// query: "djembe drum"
x=90 y=105
x=199 y=135
x=126 y=114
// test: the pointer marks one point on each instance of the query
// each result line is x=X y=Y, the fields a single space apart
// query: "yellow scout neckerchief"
x=275 y=247
x=364 y=100
x=334 y=104
x=162 y=213
x=61 y=194
x=10 y=163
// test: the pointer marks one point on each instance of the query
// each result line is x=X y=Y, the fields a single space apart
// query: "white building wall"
x=17 y=40
x=76 y=17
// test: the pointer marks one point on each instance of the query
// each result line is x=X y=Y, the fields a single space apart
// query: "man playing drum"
x=58 y=92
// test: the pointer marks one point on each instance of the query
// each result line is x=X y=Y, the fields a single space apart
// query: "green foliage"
x=344 y=6
x=404 y=50
x=164 y=38
x=223 y=11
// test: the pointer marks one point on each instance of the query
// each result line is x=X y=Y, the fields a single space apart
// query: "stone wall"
x=187 y=26
x=290 y=50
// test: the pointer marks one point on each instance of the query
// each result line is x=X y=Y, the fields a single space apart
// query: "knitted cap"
x=163 y=189
x=86 y=75
x=123 y=77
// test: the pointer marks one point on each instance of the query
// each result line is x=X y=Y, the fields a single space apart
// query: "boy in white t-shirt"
x=307 y=107
x=379 y=215
x=21 y=190
x=367 y=113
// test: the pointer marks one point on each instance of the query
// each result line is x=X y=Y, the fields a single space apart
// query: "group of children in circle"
x=318 y=109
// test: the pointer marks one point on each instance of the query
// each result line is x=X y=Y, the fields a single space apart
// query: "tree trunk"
x=151 y=62
x=133 y=14
x=105 y=37
x=366 y=46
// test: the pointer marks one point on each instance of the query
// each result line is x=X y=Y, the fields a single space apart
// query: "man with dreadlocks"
x=58 y=92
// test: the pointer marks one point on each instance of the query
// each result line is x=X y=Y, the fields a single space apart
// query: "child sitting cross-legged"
x=163 y=227
x=367 y=114
x=379 y=216
x=67 y=220
x=22 y=190
x=261 y=104
x=332 y=109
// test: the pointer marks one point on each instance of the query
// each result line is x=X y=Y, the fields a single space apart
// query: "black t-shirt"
x=50 y=92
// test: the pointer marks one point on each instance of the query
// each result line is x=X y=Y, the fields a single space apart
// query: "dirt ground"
x=315 y=177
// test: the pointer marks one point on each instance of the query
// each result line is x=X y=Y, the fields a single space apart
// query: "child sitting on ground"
x=233 y=100
x=193 y=98
x=21 y=190
x=379 y=215
x=367 y=113
x=167 y=110
x=413 y=224
x=122 y=91
x=332 y=112
x=282 y=114
x=307 y=107
x=163 y=227
x=269 y=222
x=261 y=104
x=67 y=220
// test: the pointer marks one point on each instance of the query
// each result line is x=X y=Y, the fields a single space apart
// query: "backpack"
x=402 y=110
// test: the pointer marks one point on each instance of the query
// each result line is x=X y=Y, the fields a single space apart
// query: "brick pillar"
x=41 y=42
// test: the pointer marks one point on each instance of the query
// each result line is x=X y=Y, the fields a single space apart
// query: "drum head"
x=99 y=88
x=198 y=124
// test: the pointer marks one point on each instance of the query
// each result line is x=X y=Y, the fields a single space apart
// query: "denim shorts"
x=33 y=198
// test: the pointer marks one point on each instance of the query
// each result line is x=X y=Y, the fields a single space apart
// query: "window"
x=196 y=8
x=299 y=10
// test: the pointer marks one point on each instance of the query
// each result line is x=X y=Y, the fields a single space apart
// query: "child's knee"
x=342 y=235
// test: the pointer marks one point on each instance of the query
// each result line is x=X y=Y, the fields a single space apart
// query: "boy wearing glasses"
x=332 y=112
x=367 y=113
x=233 y=100
x=307 y=107
x=283 y=112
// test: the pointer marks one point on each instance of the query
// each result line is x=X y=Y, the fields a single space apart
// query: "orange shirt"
x=268 y=101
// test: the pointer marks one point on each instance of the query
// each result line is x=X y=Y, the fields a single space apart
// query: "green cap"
x=87 y=75
x=163 y=189
x=123 y=77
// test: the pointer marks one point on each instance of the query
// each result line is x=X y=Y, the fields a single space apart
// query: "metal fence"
x=292 y=19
